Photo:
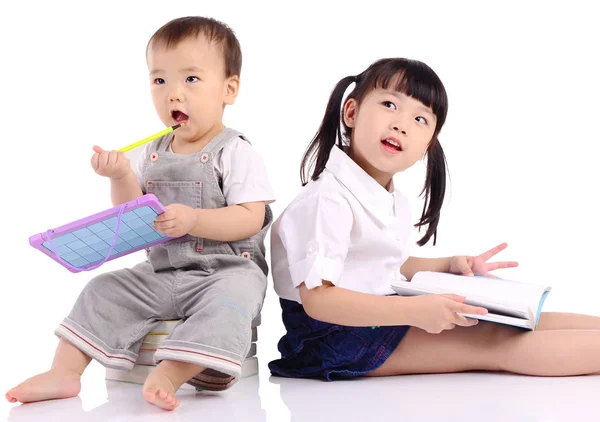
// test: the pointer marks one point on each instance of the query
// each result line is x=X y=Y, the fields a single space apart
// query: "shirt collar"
x=374 y=197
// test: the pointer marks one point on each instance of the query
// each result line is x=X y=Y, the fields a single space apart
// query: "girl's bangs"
x=416 y=80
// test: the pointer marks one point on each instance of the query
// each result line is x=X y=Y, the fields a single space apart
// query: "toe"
x=10 y=396
x=150 y=395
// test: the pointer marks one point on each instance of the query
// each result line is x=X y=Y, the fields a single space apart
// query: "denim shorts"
x=317 y=349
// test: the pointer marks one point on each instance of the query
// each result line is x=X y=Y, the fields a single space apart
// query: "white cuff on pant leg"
x=93 y=347
x=207 y=357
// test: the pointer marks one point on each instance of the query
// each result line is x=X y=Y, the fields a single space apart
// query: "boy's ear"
x=232 y=87
x=350 y=112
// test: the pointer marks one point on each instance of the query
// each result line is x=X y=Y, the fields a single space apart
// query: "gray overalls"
x=215 y=288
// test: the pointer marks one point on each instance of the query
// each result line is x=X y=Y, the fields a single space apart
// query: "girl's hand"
x=438 y=312
x=111 y=164
x=477 y=265
x=176 y=221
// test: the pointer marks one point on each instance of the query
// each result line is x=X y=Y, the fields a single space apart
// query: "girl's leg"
x=496 y=347
x=565 y=321
x=60 y=382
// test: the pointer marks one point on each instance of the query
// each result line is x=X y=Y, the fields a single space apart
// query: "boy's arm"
x=235 y=222
x=414 y=265
x=125 y=189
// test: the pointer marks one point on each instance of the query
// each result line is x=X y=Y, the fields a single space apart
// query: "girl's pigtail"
x=318 y=150
x=434 y=189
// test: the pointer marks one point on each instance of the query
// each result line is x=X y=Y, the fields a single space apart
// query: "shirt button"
x=154 y=156
x=204 y=158
x=245 y=254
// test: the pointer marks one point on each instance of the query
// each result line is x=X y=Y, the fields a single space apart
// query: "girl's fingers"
x=504 y=264
x=465 y=322
x=464 y=268
x=487 y=255
x=470 y=309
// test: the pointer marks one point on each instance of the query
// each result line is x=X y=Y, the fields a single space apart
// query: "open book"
x=508 y=302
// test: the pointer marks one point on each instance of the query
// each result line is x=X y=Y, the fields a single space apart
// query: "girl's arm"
x=432 y=313
x=414 y=265
x=341 y=306
x=460 y=264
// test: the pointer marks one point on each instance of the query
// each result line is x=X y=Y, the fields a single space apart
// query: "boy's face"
x=188 y=84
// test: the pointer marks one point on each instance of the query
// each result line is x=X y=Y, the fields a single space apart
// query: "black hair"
x=179 y=29
x=412 y=78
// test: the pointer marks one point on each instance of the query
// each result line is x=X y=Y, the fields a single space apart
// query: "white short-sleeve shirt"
x=344 y=228
x=241 y=169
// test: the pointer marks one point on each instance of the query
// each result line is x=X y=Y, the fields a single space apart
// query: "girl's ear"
x=350 y=112
x=232 y=87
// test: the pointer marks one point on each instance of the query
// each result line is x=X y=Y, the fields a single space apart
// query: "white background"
x=521 y=134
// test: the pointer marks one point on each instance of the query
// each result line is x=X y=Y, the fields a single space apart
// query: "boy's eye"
x=192 y=79
x=389 y=104
x=159 y=81
x=421 y=119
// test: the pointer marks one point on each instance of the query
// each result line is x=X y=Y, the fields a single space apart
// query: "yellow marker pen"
x=151 y=138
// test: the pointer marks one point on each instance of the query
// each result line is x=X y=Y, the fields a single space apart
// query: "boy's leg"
x=495 y=347
x=108 y=322
x=216 y=335
x=60 y=382
x=115 y=311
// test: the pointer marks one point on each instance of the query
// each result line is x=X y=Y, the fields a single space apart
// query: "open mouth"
x=179 y=116
x=392 y=144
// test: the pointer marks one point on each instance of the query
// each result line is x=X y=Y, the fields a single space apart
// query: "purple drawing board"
x=85 y=244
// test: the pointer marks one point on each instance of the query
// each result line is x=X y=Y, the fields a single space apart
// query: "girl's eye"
x=421 y=119
x=192 y=79
x=389 y=104
x=159 y=81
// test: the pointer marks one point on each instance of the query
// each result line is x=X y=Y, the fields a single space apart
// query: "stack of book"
x=145 y=361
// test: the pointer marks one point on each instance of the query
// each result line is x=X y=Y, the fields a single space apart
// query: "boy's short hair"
x=177 y=30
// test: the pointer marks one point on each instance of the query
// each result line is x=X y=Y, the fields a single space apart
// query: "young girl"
x=344 y=238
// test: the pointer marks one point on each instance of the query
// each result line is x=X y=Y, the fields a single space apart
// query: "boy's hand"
x=111 y=164
x=176 y=221
x=477 y=265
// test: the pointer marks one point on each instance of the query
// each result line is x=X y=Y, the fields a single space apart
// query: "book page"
x=513 y=294
x=502 y=319
x=406 y=288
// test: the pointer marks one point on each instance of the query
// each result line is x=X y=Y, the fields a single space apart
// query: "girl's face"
x=390 y=132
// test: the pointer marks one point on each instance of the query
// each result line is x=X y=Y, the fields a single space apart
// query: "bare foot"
x=159 y=390
x=54 y=384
